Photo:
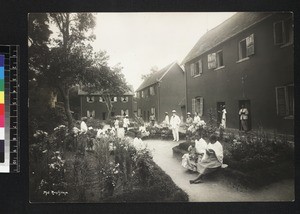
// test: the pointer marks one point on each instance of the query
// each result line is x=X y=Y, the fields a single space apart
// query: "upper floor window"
x=124 y=99
x=101 y=99
x=285 y=101
x=219 y=57
x=138 y=94
x=246 y=47
x=142 y=95
x=196 y=68
x=152 y=90
x=90 y=99
x=113 y=99
x=215 y=60
x=283 y=32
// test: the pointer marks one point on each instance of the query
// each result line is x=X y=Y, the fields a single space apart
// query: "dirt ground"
x=213 y=190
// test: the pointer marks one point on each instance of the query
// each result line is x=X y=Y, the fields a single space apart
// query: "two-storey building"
x=162 y=92
x=94 y=105
x=246 y=60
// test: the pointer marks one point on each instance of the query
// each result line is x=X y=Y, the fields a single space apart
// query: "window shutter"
x=192 y=66
x=212 y=60
x=279 y=35
x=193 y=105
x=200 y=66
x=281 y=101
x=250 y=45
x=127 y=112
x=88 y=113
x=201 y=107
x=122 y=112
x=93 y=113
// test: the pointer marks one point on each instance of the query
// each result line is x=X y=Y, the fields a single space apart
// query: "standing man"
x=244 y=118
x=175 y=122
x=125 y=123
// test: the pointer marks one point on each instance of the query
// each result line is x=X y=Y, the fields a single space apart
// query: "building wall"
x=100 y=107
x=172 y=92
x=254 y=79
x=148 y=102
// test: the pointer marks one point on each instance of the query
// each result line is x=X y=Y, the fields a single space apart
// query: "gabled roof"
x=156 y=77
x=229 y=28
x=130 y=92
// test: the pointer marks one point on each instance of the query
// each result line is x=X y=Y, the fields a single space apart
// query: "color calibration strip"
x=2 y=110
x=9 y=109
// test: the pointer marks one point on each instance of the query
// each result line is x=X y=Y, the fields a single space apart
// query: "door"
x=219 y=111
x=103 y=115
x=247 y=105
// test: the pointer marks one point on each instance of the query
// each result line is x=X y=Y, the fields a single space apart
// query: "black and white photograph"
x=161 y=107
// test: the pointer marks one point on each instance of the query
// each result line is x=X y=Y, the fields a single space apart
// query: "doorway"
x=247 y=105
x=219 y=111
x=103 y=115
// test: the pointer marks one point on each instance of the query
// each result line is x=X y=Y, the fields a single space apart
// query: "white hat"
x=173 y=111
x=188 y=113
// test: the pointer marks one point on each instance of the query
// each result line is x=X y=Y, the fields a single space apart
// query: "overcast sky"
x=140 y=41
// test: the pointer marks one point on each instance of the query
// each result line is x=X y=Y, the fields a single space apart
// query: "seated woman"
x=138 y=142
x=211 y=161
x=189 y=160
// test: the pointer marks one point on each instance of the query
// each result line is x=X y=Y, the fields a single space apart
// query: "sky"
x=141 y=41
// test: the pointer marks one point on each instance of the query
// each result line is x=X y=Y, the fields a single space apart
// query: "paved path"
x=212 y=191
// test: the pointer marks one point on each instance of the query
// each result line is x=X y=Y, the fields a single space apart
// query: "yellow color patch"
x=1 y=97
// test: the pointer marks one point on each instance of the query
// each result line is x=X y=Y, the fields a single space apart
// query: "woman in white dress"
x=223 y=119
x=211 y=161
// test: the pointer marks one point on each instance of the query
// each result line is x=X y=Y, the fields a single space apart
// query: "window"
x=152 y=111
x=219 y=56
x=113 y=99
x=152 y=91
x=101 y=99
x=139 y=112
x=138 y=94
x=143 y=95
x=197 y=105
x=283 y=32
x=90 y=99
x=90 y=114
x=124 y=112
x=246 y=47
x=285 y=101
x=124 y=99
x=211 y=60
x=196 y=68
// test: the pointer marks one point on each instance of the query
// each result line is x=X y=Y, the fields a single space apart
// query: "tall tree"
x=70 y=54
x=108 y=81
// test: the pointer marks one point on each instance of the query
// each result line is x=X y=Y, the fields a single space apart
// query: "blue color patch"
x=1 y=72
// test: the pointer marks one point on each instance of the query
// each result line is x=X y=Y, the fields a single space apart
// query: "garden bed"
x=253 y=162
x=114 y=171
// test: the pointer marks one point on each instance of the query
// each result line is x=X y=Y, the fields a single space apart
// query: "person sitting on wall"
x=138 y=142
x=196 y=152
x=211 y=161
x=197 y=118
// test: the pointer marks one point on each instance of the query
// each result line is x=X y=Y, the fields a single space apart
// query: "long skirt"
x=208 y=164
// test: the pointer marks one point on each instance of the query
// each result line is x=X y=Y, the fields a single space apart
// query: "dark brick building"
x=162 y=92
x=248 y=59
x=93 y=105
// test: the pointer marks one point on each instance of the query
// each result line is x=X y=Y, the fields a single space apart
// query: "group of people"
x=203 y=157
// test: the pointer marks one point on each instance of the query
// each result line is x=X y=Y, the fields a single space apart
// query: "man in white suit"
x=175 y=122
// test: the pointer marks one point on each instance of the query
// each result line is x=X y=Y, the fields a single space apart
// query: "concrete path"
x=212 y=191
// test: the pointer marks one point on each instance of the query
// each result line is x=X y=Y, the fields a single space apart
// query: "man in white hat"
x=125 y=123
x=175 y=122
